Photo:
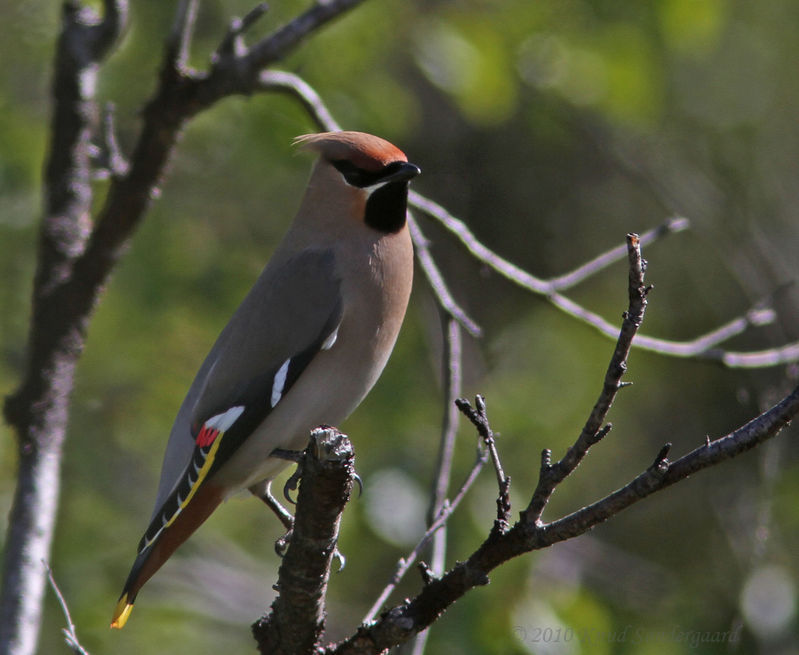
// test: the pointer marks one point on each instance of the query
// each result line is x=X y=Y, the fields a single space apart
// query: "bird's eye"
x=354 y=175
x=358 y=177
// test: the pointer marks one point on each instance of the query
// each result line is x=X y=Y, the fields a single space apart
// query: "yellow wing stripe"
x=209 y=460
x=201 y=475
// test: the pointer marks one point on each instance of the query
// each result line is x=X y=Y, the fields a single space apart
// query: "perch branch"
x=297 y=617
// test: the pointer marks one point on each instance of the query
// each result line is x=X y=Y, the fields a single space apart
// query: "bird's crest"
x=367 y=152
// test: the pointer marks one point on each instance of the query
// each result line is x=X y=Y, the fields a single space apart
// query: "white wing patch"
x=223 y=421
x=279 y=383
x=331 y=340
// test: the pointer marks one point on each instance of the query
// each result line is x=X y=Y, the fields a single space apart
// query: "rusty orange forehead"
x=366 y=151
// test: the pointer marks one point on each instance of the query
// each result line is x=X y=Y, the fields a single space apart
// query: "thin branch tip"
x=678 y=224
x=70 y=635
x=661 y=463
x=232 y=44
x=426 y=572
x=465 y=407
x=601 y=434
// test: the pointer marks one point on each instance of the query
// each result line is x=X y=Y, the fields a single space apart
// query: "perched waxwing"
x=303 y=349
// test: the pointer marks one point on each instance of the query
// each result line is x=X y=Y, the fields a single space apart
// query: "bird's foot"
x=283 y=515
x=298 y=457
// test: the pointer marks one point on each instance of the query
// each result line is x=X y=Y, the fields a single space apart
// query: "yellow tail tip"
x=122 y=612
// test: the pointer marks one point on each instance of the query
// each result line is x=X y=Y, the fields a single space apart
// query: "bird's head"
x=367 y=168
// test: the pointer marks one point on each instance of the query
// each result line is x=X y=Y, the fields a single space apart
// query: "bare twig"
x=479 y=418
x=296 y=87
x=278 y=44
x=232 y=44
x=70 y=636
x=663 y=473
x=178 y=44
x=452 y=376
x=404 y=565
x=452 y=359
x=756 y=359
x=436 y=280
x=107 y=158
x=601 y=262
x=553 y=474
x=703 y=347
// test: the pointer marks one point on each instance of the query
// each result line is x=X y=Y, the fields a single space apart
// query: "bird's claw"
x=291 y=484
x=282 y=544
x=339 y=557
x=357 y=480
x=296 y=456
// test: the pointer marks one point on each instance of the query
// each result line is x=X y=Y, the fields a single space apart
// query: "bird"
x=303 y=349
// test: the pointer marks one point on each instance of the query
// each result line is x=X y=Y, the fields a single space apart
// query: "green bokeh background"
x=552 y=129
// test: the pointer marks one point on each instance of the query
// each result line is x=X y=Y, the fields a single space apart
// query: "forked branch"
x=399 y=623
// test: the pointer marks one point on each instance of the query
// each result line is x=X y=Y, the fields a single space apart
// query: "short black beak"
x=406 y=171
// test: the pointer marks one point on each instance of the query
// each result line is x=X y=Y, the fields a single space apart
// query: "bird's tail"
x=125 y=604
x=154 y=553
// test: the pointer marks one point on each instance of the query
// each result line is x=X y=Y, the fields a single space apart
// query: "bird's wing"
x=287 y=318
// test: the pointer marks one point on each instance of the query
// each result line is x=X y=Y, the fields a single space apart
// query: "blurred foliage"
x=552 y=129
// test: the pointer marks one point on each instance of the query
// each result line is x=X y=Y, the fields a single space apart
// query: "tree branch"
x=552 y=475
x=479 y=418
x=297 y=617
x=702 y=347
x=70 y=635
x=605 y=259
x=398 y=624
x=178 y=43
x=278 y=44
x=76 y=257
x=436 y=526
x=296 y=87
x=436 y=280
x=38 y=409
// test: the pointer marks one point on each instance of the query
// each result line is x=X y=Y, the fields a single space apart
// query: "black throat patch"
x=386 y=207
